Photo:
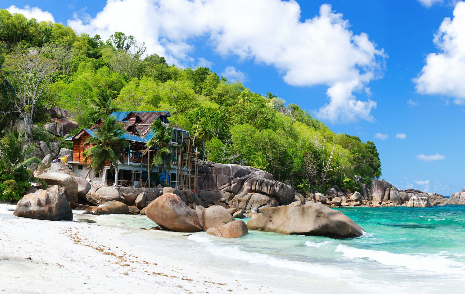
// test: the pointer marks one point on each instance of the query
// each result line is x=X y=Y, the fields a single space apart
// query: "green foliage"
x=106 y=145
x=15 y=178
x=160 y=142
x=228 y=122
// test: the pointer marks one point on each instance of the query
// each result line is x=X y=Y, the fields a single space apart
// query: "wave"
x=317 y=245
x=235 y=252
x=429 y=263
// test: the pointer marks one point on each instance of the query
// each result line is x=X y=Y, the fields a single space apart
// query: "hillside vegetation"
x=45 y=64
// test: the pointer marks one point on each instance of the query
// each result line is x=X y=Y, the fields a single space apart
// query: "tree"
x=30 y=74
x=160 y=141
x=106 y=145
x=15 y=178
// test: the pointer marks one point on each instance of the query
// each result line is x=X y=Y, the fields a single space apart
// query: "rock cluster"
x=171 y=213
x=381 y=193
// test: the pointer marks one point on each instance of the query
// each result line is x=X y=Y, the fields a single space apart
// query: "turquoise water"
x=404 y=250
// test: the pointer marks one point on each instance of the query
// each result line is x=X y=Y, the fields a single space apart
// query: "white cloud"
x=204 y=63
x=32 y=12
x=429 y=3
x=422 y=182
x=234 y=75
x=444 y=72
x=410 y=102
x=427 y=158
x=401 y=136
x=317 y=51
x=381 y=136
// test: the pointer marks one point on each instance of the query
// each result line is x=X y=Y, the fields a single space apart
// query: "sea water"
x=404 y=250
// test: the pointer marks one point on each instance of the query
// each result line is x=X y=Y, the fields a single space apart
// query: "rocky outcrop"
x=457 y=198
x=63 y=180
x=253 y=201
x=171 y=213
x=213 y=216
x=418 y=201
x=310 y=219
x=234 y=229
x=51 y=204
x=378 y=190
x=112 y=207
x=231 y=184
x=61 y=124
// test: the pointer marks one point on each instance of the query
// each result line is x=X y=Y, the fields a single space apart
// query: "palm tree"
x=106 y=145
x=15 y=178
x=160 y=141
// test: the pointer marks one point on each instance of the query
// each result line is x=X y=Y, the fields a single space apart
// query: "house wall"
x=101 y=179
x=78 y=148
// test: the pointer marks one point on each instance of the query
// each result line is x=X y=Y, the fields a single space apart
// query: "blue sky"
x=388 y=71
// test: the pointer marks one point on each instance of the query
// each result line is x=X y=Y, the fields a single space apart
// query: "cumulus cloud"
x=401 y=136
x=381 y=136
x=410 y=102
x=433 y=157
x=202 y=62
x=444 y=72
x=318 y=51
x=234 y=75
x=32 y=12
x=429 y=3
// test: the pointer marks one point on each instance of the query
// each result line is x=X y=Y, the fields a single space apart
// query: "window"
x=80 y=167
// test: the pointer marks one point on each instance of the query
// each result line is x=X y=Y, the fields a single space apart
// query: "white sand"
x=56 y=257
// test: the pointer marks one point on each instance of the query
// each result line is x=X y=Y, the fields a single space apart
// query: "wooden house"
x=134 y=170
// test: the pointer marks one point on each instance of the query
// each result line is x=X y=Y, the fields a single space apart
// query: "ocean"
x=404 y=250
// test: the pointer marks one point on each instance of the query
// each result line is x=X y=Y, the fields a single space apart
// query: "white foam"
x=235 y=252
x=317 y=245
x=429 y=263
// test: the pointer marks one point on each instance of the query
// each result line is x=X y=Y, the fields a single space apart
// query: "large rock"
x=235 y=229
x=83 y=187
x=106 y=194
x=171 y=213
x=310 y=219
x=394 y=196
x=47 y=160
x=240 y=180
x=141 y=201
x=418 y=201
x=378 y=190
x=50 y=204
x=253 y=201
x=112 y=207
x=214 y=216
x=457 y=198
x=63 y=180
x=356 y=197
x=129 y=199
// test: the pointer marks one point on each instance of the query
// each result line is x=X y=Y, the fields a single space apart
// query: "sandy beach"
x=55 y=257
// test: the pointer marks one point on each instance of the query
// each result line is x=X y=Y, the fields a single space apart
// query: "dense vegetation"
x=230 y=123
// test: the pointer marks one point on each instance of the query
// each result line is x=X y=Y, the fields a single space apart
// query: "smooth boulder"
x=313 y=219
x=50 y=204
x=112 y=207
x=214 y=216
x=171 y=213
x=418 y=201
x=235 y=229
x=83 y=187
x=106 y=194
x=63 y=180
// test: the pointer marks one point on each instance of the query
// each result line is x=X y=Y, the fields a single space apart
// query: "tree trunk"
x=28 y=127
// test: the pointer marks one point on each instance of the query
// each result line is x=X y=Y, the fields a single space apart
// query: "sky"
x=388 y=71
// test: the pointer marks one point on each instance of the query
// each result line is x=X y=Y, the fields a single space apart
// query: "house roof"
x=142 y=132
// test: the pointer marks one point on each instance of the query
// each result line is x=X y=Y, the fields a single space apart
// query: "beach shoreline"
x=52 y=257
